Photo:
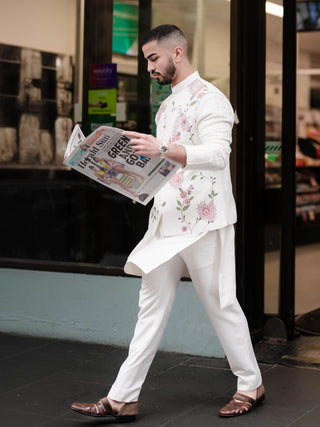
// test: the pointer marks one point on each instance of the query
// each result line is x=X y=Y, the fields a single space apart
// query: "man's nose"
x=150 y=67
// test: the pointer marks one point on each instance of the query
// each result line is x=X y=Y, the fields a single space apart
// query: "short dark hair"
x=162 y=32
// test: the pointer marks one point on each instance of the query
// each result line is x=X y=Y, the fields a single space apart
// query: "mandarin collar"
x=182 y=85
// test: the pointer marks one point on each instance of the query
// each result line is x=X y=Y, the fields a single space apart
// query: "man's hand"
x=149 y=146
x=143 y=144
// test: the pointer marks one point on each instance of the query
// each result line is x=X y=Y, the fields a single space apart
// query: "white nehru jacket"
x=199 y=197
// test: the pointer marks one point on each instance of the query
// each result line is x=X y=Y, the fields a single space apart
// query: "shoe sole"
x=118 y=418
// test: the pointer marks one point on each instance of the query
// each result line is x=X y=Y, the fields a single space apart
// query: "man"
x=190 y=226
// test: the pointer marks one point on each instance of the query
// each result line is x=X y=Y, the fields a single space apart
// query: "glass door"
x=280 y=190
x=273 y=157
x=307 y=292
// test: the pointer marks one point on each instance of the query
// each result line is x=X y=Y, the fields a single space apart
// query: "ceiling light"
x=274 y=9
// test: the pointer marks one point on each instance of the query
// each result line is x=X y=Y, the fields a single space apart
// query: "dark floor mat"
x=309 y=323
x=303 y=350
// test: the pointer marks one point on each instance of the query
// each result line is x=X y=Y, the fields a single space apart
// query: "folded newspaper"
x=106 y=156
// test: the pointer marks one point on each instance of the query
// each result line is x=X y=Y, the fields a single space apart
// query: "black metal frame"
x=288 y=190
x=144 y=113
x=257 y=205
x=248 y=37
x=97 y=43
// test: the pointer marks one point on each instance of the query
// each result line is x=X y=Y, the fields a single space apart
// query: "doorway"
x=307 y=289
x=279 y=156
x=298 y=172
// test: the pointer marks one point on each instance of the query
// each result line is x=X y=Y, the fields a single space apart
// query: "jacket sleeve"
x=214 y=121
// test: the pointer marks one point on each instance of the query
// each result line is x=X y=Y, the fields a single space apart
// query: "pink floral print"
x=195 y=87
x=161 y=110
x=154 y=214
x=182 y=124
x=177 y=180
x=207 y=211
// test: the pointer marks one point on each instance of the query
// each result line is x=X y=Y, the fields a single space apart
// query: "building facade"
x=65 y=238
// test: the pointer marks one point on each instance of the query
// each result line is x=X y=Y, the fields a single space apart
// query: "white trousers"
x=157 y=295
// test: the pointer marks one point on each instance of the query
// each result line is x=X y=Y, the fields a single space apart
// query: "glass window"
x=273 y=135
x=55 y=215
x=273 y=100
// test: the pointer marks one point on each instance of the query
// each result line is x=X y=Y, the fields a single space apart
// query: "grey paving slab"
x=289 y=387
x=207 y=415
x=14 y=418
x=49 y=397
x=12 y=345
x=310 y=419
x=29 y=366
x=41 y=377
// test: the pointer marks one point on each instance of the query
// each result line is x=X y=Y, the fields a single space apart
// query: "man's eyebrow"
x=151 y=54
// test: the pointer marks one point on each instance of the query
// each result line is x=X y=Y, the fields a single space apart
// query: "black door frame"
x=247 y=88
x=288 y=190
x=256 y=205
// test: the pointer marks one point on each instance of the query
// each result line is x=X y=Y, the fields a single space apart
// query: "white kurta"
x=190 y=225
x=198 y=199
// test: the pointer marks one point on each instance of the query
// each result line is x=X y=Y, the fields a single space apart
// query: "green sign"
x=273 y=147
x=102 y=101
x=125 y=29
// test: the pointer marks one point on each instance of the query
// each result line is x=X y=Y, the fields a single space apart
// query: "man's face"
x=160 y=62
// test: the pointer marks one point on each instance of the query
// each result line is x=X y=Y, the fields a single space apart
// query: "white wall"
x=48 y=25
x=303 y=81
x=217 y=54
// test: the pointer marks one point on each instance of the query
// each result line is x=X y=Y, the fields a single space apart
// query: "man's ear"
x=178 y=53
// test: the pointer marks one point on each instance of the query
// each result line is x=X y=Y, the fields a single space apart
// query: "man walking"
x=191 y=226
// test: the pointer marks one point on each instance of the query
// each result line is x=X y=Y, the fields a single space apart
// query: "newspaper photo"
x=106 y=156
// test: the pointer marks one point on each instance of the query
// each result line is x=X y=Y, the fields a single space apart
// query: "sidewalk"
x=40 y=377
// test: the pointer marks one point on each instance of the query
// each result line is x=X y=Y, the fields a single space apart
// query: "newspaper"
x=106 y=156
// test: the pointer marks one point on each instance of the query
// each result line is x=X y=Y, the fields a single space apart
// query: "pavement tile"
x=40 y=378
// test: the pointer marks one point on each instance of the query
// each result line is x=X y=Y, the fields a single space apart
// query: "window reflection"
x=273 y=145
x=273 y=120
x=54 y=214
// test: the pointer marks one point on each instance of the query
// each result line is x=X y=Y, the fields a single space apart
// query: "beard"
x=167 y=77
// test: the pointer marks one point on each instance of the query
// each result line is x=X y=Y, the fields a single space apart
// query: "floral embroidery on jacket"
x=195 y=87
x=182 y=127
x=181 y=124
x=197 y=90
x=206 y=209
x=177 y=180
x=154 y=214
x=189 y=202
x=161 y=110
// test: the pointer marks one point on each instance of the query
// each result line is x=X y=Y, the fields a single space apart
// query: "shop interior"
x=307 y=239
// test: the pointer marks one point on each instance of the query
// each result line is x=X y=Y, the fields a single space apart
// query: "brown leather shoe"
x=242 y=404
x=102 y=408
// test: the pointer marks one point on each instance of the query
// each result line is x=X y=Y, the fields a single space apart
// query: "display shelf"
x=307 y=162
x=307 y=200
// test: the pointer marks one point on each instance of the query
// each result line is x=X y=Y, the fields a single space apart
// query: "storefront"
x=56 y=221
x=292 y=117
